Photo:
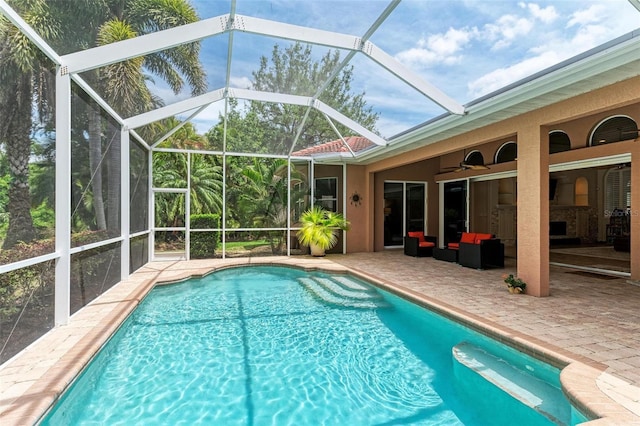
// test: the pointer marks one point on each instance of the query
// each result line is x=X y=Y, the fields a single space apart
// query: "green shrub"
x=203 y=244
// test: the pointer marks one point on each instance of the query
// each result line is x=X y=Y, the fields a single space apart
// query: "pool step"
x=351 y=284
x=338 y=289
x=520 y=384
x=332 y=292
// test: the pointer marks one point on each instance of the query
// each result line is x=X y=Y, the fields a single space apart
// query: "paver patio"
x=594 y=320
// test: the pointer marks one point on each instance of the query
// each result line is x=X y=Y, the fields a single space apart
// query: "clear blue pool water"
x=278 y=346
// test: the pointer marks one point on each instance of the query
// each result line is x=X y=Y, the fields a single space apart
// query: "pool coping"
x=34 y=379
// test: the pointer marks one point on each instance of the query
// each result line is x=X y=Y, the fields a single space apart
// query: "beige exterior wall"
x=421 y=171
x=358 y=237
x=576 y=117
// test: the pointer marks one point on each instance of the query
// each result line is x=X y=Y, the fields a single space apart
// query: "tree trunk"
x=113 y=184
x=18 y=144
x=95 y=163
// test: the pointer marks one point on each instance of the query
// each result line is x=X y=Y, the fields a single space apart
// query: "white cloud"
x=546 y=15
x=501 y=77
x=586 y=16
x=209 y=117
x=551 y=48
x=438 y=48
x=240 y=82
x=506 y=30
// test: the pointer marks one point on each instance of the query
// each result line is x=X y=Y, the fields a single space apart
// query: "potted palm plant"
x=319 y=229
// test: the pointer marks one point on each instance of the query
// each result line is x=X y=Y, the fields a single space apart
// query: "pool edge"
x=29 y=397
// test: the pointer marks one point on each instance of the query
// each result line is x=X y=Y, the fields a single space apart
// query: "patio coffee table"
x=445 y=254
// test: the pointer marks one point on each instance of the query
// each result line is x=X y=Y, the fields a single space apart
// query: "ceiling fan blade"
x=477 y=167
x=466 y=166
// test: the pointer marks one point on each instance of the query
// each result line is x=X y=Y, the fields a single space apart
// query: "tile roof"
x=356 y=143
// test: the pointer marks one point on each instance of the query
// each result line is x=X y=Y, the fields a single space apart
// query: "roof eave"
x=542 y=87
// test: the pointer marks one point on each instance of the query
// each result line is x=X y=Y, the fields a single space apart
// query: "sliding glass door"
x=404 y=210
x=455 y=210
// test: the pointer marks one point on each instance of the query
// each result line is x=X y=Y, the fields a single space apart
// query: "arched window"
x=582 y=192
x=614 y=129
x=474 y=158
x=507 y=152
x=558 y=141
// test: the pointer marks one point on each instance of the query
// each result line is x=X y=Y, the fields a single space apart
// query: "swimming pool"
x=272 y=345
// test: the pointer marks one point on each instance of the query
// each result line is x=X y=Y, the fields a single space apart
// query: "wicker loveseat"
x=479 y=251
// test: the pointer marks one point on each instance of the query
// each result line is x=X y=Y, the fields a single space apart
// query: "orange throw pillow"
x=416 y=234
x=468 y=237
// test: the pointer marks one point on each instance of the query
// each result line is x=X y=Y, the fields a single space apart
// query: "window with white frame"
x=617 y=195
x=326 y=193
x=299 y=202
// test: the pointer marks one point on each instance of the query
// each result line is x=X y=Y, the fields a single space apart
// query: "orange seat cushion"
x=416 y=234
x=426 y=244
x=453 y=246
x=480 y=237
x=468 y=237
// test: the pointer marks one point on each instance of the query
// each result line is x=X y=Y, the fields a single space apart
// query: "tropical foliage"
x=27 y=155
x=319 y=228
x=266 y=127
x=26 y=77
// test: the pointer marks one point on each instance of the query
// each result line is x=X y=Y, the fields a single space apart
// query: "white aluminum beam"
x=346 y=121
x=174 y=109
x=187 y=211
x=346 y=42
x=62 y=298
x=412 y=79
x=145 y=44
x=125 y=204
x=303 y=122
x=98 y=244
x=140 y=140
x=94 y=95
x=255 y=95
x=151 y=241
x=14 y=266
x=179 y=126
x=635 y=3
x=269 y=28
x=26 y=29
x=232 y=17
x=335 y=129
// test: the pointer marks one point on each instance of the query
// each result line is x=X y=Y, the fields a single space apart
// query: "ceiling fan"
x=469 y=164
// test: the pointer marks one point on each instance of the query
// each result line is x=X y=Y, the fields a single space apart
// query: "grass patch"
x=245 y=245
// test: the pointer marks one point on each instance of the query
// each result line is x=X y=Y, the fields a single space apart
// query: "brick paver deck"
x=592 y=321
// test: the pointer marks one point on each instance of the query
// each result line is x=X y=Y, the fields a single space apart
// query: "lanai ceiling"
x=430 y=69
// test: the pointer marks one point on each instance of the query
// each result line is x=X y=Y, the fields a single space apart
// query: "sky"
x=466 y=48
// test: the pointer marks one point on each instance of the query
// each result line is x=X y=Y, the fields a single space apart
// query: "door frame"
x=404 y=206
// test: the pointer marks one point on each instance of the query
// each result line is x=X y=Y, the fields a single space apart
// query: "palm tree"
x=26 y=77
x=263 y=198
x=170 y=171
x=123 y=84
